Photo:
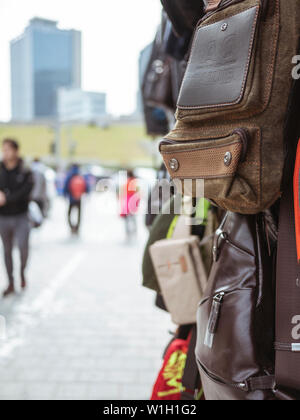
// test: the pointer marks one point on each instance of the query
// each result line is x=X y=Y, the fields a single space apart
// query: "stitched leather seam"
x=204 y=177
x=175 y=152
x=270 y=73
x=219 y=129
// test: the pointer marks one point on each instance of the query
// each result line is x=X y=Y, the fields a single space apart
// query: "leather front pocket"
x=226 y=75
x=235 y=317
x=203 y=159
x=217 y=168
x=225 y=316
x=224 y=320
x=224 y=350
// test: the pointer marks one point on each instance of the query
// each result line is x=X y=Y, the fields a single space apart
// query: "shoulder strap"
x=182 y=230
x=211 y=5
x=191 y=376
x=288 y=269
x=287 y=344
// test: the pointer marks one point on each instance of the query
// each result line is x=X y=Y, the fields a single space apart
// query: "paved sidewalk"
x=85 y=329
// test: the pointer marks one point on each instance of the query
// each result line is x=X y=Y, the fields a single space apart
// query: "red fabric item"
x=168 y=384
x=297 y=200
x=129 y=198
x=77 y=187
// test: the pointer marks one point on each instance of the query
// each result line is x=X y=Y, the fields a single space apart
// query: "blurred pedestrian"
x=129 y=203
x=16 y=184
x=74 y=189
x=39 y=193
x=60 y=181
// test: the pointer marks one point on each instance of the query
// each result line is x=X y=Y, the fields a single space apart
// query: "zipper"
x=220 y=236
x=243 y=133
x=215 y=313
x=212 y=327
x=213 y=321
x=243 y=386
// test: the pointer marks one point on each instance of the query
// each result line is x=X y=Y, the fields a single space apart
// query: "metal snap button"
x=158 y=66
x=224 y=27
x=228 y=159
x=174 y=165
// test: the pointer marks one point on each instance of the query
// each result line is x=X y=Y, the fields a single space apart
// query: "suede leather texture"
x=262 y=111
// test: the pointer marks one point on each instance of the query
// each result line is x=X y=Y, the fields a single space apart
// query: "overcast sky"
x=114 y=31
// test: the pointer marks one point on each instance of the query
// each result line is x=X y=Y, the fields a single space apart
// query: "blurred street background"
x=85 y=329
x=71 y=97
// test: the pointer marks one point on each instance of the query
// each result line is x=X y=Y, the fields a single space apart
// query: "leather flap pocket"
x=220 y=61
x=203 y=159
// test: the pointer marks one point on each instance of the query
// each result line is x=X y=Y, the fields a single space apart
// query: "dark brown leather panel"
x=288 y=298
x=219 y=62
x=219 y=392
x=235 y=354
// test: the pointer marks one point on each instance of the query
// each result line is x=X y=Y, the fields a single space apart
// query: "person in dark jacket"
x=16 y=183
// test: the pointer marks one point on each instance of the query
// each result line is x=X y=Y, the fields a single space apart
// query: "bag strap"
x=191 y=376
x=288 y=269
x=211 y=5
x=261 y=383
x=287 y=348
x=181 y=226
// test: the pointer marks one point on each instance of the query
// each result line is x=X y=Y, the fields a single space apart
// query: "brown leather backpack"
x=233 y=104
x=235 y=343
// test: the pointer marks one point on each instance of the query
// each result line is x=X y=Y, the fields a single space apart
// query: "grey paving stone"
x=91 y=334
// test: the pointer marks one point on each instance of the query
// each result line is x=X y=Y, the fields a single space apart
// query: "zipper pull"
x=213 y=319
x=220 y=236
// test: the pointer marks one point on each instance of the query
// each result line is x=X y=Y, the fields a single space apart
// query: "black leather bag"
x=157 y=85
x=184 y=14
x=156 y=121
x=234 y=352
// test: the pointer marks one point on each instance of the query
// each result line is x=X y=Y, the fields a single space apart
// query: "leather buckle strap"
x=292 y=347
x=187 y=395
x=283 y=395
x=261 y=383
x=191 y=376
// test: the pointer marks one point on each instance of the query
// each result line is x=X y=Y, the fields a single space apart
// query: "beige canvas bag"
x=180 y=272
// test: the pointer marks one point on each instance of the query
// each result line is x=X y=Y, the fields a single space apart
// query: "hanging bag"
x=180 y=272
x=235 y=343
x=233 y=104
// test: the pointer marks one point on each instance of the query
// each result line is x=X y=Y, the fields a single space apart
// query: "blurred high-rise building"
x=79 y=106
x=43 y=59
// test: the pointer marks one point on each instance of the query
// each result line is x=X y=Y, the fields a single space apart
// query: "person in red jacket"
x=129 y=203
